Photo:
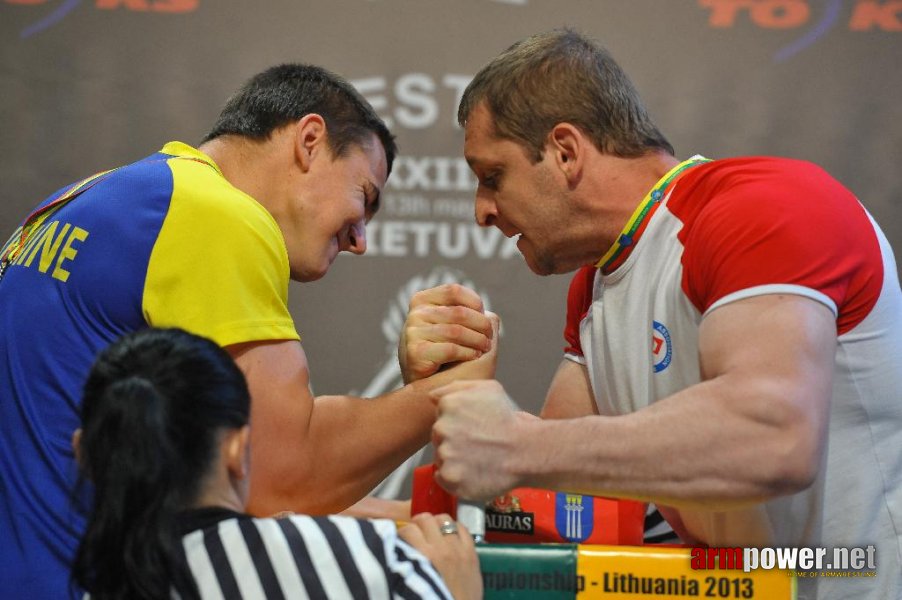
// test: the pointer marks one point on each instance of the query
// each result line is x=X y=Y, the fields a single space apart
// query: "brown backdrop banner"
x=90 y=84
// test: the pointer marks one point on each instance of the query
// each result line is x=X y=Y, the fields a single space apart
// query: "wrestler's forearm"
x=686 y=450
x=348 y=447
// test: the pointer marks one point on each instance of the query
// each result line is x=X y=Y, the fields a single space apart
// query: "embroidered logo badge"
x=661 y=347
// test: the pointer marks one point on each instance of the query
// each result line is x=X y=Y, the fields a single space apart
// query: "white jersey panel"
x=640 y=343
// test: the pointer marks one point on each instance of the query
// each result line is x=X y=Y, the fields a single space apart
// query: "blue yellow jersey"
x=164 y=242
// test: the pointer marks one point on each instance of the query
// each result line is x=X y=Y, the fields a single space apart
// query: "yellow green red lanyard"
x=628 y=235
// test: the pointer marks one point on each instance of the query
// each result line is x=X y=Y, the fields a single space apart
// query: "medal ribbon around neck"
x=36 y=218
x=628 y=236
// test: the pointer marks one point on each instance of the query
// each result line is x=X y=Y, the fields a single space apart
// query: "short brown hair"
x=562 y=76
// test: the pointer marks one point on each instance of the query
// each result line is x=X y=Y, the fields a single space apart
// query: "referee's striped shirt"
x=237 y=556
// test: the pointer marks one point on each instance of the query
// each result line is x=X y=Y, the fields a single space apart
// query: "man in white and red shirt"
x=731 y=325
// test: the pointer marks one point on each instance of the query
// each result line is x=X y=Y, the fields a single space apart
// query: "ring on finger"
x=448 y=528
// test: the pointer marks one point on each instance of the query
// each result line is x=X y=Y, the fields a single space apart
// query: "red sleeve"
x=782 y=223
x=579 y=299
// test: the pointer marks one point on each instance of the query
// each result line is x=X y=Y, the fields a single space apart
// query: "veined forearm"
x=703 y=447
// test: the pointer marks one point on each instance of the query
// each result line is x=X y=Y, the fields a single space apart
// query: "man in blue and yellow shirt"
x=205 y=239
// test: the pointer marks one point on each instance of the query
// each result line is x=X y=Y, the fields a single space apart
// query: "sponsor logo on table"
x=504 y=515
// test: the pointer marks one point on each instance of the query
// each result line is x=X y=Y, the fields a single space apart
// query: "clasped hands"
x=478 y=427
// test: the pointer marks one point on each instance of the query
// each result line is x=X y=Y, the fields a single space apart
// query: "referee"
x=164 y=440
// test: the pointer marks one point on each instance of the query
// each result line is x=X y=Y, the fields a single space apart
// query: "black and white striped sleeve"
x=657 y=529
x=308 y=557
x=412 y=574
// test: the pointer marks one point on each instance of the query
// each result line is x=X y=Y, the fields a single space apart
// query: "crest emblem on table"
x=573 y=516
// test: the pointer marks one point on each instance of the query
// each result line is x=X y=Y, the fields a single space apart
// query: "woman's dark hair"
x=154 y=406
x=286 y=93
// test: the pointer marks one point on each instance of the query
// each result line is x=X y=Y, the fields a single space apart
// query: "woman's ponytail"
x=125 y=452
x=153 y=407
